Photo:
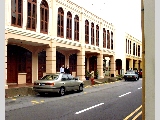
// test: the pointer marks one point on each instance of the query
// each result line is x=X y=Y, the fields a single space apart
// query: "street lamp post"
x=143 y=60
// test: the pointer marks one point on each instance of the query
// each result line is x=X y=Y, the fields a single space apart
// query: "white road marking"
x=140 y=88
x=124 y=94
x=89 y=108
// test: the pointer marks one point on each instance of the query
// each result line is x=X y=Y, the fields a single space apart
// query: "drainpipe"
x=143 y=60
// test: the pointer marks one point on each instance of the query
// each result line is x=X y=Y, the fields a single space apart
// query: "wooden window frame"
x=97 y=35
x=126 y=45
x=133 y=48
x=92 y=33
x=108 y=39
x=76 y=28
x=104 y=38
x=44 y=19
x=32 y=15
x=18 y=12
x=86 y=31
x=60 y=23
x=69 y=26
x=112 y=41
x=130 y=47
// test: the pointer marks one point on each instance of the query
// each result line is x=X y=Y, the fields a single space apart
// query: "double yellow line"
x=134 y=112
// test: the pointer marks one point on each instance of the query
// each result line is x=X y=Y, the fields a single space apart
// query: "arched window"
x=76 y=28
x=130 y=47
x=97 y=35
x=92 y=33
x=86 y=32
x=136 y=50
x=108 y=39
x=17 y=13
x=32 y=14
x=111 y=40
x=44 y=13
x=133 y=48
x=69 y=25
x=104 y=38
x=126 y=45
x=60 y=23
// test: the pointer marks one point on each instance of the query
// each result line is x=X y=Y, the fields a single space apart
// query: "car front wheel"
x=80 y=88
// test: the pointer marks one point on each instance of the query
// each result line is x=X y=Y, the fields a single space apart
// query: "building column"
x=38 y=16
x=136 y=64
x=50 y=28
x=51 y=58
x=34 y=66
x=100 y=65
x=65 y=23
x=25 y=14
x=140 y=64
x=7 y=12
x=54 y=17
x=81 y=64
x=112 y=65
x=131 y=64
x=66 y=59
x=101 y=35
x=6 y=42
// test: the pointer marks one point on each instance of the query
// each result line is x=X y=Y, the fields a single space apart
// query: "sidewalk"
x=14 y=91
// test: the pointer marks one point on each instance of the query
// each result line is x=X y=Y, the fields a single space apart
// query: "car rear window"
x=49 y=77
x=130 y=72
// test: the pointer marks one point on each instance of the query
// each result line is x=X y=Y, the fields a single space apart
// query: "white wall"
x=120 y=45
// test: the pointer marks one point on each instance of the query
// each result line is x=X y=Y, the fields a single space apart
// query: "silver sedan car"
x=131 y=75
x=58 y=83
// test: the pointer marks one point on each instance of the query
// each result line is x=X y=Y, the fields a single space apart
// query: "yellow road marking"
x=132 y=113
x=42 y=101
x=13 y=99
x=33 y=101
x=85 y=92
x=137 y=115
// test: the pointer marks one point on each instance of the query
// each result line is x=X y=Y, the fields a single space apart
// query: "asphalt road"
x=112 y=101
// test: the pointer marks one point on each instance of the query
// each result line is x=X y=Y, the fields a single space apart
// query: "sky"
x=124 y=14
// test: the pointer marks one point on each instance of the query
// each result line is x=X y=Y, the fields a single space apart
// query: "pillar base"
x=100 y=77
x=6 y=86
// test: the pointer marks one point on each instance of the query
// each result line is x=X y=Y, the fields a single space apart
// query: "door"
x=66 y=82
x=12 y=72
x=29 y=67
x=41 y=64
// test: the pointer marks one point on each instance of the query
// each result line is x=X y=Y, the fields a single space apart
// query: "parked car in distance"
x=58 y=83
x=140 y=73
x=131 y=75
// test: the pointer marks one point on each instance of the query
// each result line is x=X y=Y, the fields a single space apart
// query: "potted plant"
x=87 y=75
x=96 y=74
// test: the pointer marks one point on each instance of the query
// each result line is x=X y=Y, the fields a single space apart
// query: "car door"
x=67 y=83
x=74 y=82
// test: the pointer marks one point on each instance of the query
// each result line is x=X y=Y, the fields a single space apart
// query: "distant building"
x=42 y=35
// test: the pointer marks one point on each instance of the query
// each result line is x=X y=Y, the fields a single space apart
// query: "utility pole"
x=143 y=60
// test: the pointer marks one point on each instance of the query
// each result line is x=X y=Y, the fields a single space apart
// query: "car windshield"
x=49 y=77
x=130 y=72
